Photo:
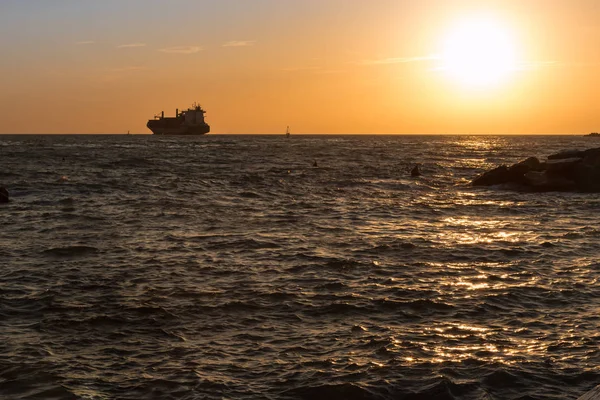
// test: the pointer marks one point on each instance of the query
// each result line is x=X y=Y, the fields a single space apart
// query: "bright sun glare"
x=479 y=51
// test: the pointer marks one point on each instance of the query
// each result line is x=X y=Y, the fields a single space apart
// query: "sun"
x=479 y=51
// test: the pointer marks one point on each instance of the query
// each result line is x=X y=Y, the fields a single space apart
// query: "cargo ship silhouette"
x=187 y=122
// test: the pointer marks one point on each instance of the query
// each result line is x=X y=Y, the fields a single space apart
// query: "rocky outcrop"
x=415 y=171
x=3 y=195
x=570 y=170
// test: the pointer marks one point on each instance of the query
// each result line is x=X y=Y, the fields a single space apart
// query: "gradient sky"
x=320 y=66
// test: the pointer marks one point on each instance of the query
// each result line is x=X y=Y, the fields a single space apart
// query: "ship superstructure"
x=187 y=122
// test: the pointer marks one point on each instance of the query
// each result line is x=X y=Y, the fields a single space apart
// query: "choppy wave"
x=234 y=267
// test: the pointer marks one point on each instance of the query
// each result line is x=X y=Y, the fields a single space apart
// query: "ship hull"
x=159 y=127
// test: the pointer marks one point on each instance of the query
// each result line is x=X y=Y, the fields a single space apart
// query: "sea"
x=309 y=267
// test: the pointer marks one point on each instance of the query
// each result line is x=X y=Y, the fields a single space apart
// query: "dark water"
x=230 y=267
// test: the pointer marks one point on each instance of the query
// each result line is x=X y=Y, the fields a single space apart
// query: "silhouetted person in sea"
x=315 y=163
x=3 y=195
x=415 y=171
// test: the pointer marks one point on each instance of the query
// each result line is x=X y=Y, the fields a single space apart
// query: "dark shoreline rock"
x=567 y=171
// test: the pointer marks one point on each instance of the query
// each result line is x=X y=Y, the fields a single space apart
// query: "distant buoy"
x=63 y=178
x=315 y=163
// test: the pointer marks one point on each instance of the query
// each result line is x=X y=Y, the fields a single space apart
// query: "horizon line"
x=309 y=133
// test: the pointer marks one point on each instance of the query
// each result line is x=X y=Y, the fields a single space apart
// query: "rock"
x=562 y=166
x=532 y=164
x=587 y=177
x=592 y=155
x=571 y=170
x=593 y=394
x=3 y=195
x=542 y=181
x=536 y=178
x=517 y=171
x=504 y=174
x=587 y=172
x=415 y=171
x=566 y=154
x=497 y=176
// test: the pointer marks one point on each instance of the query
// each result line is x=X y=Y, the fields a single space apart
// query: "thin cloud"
x=131 y=68
x=313 y=70
x=584 y=64
x=239 y=43
x=182 y=49
x=85 y=42
x=130 y=45
x=296 y=69
x=330 y=71
x=116 y=74
x=531 y=65
x=397 y=60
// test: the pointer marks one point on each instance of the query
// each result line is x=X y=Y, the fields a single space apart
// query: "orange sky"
x=320 y=66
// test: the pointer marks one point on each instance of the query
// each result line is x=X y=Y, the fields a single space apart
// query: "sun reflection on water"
x=469 y=231
x=460 y=342
x=481 y=143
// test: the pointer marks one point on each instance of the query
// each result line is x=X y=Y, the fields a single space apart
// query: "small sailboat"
x=287 y=132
